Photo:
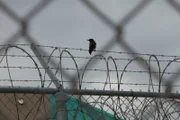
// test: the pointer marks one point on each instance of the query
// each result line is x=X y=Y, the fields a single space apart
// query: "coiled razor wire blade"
x=121 y=107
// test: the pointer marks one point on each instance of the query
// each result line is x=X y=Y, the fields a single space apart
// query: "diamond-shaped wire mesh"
x=25 y=106
x=42 y=106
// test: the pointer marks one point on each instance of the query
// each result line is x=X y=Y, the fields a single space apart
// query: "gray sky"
x=64 y=23
x=68 y=23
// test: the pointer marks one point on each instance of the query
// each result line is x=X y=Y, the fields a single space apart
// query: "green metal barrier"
x=81 y=111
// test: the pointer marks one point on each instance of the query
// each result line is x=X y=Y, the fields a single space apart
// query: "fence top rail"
x=37 y=90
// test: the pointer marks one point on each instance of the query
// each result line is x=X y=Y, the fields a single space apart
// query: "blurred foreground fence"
x=43 y=94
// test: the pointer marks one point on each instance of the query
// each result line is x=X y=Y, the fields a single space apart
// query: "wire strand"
x=102 y=51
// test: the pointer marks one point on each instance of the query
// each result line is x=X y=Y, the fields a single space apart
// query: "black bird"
x=92 y=45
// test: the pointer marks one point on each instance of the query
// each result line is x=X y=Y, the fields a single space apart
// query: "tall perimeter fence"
x=38 y=85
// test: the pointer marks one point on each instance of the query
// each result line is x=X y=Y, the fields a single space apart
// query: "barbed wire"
x=87 y=58
x=86 y=69
x=90 y=70
x=88 y=82
x=102 y=51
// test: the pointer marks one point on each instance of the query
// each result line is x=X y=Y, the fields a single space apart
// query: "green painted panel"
x=81 y=111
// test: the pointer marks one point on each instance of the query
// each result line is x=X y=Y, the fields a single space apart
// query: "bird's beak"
x=87 y=40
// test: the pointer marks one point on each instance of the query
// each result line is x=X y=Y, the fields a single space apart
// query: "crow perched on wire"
x=92 y=45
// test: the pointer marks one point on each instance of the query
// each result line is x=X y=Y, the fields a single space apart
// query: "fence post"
x=61 y=99
x=60 y=96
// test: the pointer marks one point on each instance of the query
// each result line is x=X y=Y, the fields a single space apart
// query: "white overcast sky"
x=69 y=23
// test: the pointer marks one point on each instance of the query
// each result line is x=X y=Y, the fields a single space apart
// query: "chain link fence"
x=50 y=91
